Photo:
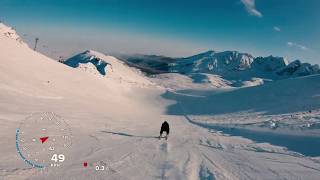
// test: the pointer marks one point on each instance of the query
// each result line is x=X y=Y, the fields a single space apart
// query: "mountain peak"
x=209 y=52
x=205 y=54
x=89 y=56
x=213 y=62
x=297 y=68
x=109 y=66
x=91 y=52
x=269 y=63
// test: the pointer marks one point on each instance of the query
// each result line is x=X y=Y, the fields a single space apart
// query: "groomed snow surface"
x=116 y=118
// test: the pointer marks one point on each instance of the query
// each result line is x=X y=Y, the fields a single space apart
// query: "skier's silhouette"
x=164 y=128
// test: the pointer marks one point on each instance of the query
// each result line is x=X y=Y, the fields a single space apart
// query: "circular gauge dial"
x=42 y=140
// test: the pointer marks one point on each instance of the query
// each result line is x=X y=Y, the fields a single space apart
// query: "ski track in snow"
x=191 y=152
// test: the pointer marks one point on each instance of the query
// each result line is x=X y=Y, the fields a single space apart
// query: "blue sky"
x=288 y=28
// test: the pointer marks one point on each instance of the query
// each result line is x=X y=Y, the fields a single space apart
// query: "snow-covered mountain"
x=296 y=68
x=108 y=66
x=240 y=68
x=233 y=65
x=89 y=57
x=269 y=64
x=213 y=62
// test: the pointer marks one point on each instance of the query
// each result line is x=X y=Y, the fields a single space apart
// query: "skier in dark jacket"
x=164 y=128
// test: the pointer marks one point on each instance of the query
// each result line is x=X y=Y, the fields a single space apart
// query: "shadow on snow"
x=283 y=96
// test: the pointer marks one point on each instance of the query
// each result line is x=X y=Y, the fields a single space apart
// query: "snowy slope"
x=278 y=97
x=116 y=123
x=108 y=66
x=9 y=32
x=200 y=81
x=31 y=82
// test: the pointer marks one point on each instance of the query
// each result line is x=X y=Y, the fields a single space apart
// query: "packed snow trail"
x=132 y=151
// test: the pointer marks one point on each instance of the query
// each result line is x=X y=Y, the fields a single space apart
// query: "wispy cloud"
x=276 y=28
x=292 y=44
x=251 y=7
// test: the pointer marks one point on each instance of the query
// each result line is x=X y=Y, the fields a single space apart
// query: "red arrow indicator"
x=43 y=139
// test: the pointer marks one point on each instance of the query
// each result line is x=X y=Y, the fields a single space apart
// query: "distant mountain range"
x=150 y=64
x=228 y=64
x=238 y=69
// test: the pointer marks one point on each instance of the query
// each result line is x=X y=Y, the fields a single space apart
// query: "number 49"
x=58 y=157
